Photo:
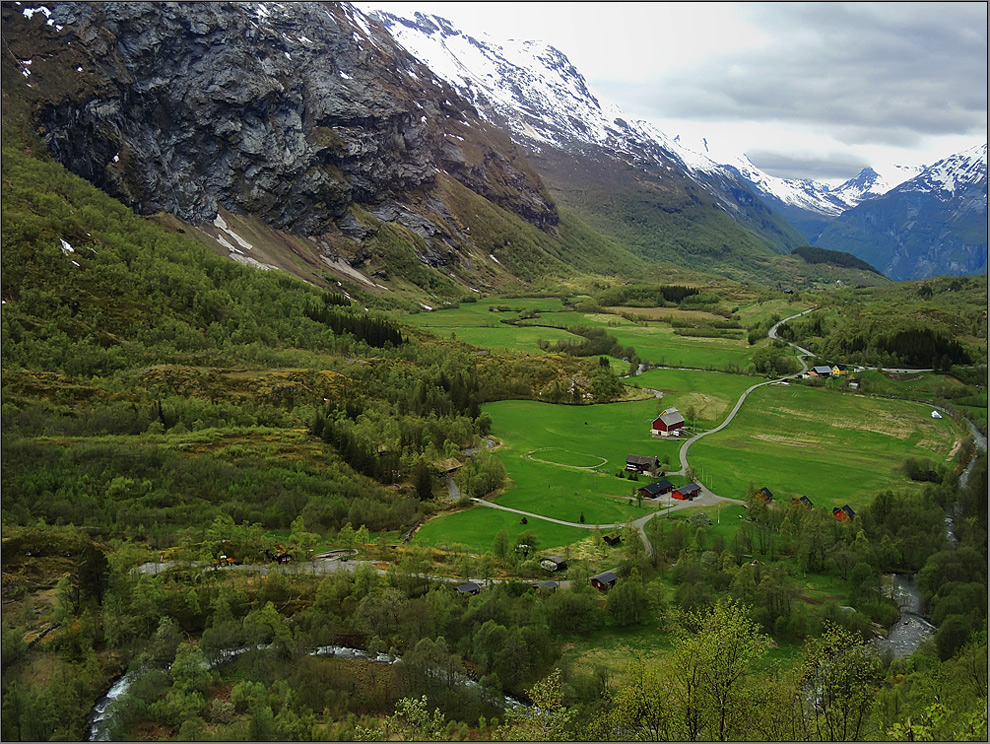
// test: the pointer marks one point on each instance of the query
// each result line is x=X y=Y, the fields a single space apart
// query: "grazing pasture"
x=834 y=448
x=475 y=529
x=710 y=395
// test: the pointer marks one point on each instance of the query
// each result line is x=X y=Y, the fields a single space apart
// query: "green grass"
x=576 y=434
x=710 y=394
x=475 y=529
x=475 y=324
x=834 y=448
x=657 y=343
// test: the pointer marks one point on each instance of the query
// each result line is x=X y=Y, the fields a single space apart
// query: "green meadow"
x=657 y=343
x=474 y=528
x=833 y=447
x=709 y=395
x=480 y=324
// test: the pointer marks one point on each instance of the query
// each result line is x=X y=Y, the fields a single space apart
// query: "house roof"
x=805 y=500
x=689 y=488
x=765 y=493
x=822 y=370
x=670 y=418
x=558 y=559
x=608 y=577
x=656 y=488
x=467 y=587
x=545 y=585
x=642 y=460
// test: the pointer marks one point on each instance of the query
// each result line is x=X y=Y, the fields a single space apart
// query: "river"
x=908 y=633
x=98 y=716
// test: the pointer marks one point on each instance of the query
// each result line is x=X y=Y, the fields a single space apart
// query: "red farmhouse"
x=668 y=424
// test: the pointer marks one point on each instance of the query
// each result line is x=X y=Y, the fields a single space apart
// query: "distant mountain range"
x=932 y=224
x=536 y=93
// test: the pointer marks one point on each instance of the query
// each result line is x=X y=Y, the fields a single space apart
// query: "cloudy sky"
x=806 y=90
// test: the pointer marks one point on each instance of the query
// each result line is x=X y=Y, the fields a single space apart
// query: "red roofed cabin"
x=668 y=424
x=844 y=514
x=604 y=581
x=686 y=493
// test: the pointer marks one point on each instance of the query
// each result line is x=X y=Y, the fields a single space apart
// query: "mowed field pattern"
x=833 y=447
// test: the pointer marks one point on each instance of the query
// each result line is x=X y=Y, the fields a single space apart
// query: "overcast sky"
x=806 y=90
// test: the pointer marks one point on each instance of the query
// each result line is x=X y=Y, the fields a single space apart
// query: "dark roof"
x=765 y=493
x=608 y=577
x=689 y=488
x=558 y=559
x=804 y=500
x=849 y=510
x=545 y=585
x=467 y=588
x=642 y=460
x=657 y=488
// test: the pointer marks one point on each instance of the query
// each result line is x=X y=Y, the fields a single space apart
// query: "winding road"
x=706 y=497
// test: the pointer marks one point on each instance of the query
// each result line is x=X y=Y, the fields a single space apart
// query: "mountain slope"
x=935 y=223
x=297 y=136
x=578 y=141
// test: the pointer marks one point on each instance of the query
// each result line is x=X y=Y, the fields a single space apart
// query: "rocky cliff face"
x=291 y=112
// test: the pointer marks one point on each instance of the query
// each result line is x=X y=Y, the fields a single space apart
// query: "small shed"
x=544 y=587
x=614 y=539
x=642 y=464
x=844 y=514
x=668 y=424
x=467 y=588
x=686 y=493
x=654 y=490
x=803 y=501
x=765 y=494
x=553 y=563
x=604 y=581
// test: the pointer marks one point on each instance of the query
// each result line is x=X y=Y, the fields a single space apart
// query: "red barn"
x=668 y=424
x=844 y=514
x=686 y=493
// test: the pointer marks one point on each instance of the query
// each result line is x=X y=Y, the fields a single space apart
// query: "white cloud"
x=825 y=84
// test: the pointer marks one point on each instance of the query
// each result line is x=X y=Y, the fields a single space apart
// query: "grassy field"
x=480 y=323
x=711 y=395
x=476 y=324
x=834 y=448
x=657 y=343
x=475 y=528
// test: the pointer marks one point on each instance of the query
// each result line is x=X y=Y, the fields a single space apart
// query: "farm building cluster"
x=843 y=513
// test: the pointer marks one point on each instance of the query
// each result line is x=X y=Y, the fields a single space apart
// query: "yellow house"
x=840 y=369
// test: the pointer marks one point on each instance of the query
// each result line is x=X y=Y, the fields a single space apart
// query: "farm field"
x=475 y=528
x=560 y=462
x=475 y=324
x=834 y=448
x=710 y=394
x=659 y=344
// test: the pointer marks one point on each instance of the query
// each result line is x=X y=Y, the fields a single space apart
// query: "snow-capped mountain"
x=532 y=90
x=934 y=223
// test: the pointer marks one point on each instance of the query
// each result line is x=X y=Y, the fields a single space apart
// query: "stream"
x=97 y=719
x=912 y=629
